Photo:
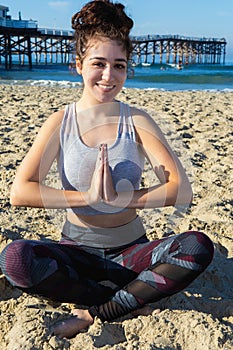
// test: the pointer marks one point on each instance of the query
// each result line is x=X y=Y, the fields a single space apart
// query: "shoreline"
x=76 y=85
x=198 y=125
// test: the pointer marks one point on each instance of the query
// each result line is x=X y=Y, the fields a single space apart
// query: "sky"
x=198 y=18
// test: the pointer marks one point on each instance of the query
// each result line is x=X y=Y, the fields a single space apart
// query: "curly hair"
x=101 y=18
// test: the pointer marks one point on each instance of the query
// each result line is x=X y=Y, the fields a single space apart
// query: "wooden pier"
x=178 y=49
x=30 y=47
x=34 y=46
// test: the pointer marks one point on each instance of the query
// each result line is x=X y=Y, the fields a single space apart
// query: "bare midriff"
x=110 y=220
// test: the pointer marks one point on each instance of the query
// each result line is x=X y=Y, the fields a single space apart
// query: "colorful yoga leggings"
x=111 y=282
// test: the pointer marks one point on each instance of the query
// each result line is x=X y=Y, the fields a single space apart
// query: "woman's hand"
x=102 y=188
x=109 y=193
x=95 y=193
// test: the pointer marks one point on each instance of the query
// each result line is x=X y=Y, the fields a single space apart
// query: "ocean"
x=163 y=77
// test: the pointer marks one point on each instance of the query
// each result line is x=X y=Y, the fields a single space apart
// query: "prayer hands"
x=102 y=188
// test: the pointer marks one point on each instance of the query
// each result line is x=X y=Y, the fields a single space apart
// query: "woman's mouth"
x=106 y=87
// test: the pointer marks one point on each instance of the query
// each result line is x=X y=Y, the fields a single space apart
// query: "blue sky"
x=209 y=18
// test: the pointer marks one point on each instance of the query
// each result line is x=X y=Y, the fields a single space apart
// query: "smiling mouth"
x=106 y=87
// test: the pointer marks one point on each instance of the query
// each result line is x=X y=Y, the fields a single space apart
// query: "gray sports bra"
x=77 y=160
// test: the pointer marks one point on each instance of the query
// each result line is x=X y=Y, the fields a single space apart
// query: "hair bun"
x=102 y=13
x=101 y=18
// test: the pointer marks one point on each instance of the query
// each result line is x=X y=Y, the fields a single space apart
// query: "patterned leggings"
x=111 y=282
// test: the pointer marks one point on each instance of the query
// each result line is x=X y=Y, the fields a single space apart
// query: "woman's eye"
x=98 y=64
x=120 y=66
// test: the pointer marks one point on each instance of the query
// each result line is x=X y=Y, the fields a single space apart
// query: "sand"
x=199 y=127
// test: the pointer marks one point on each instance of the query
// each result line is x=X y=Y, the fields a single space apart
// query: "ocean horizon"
x=218 y=77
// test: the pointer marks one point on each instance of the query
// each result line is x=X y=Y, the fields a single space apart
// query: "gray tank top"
x=77 y=160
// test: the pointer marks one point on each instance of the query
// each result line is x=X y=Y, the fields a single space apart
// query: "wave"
x=69 y=84
x=51 y=83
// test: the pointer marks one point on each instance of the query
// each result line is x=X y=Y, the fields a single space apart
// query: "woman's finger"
x=108 y=186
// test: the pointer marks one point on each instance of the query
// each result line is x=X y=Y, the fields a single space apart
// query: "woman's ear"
x=78 y=66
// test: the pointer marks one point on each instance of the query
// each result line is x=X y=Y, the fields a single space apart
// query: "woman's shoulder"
x=53 y=123
x=142 y=118
x=137 y=112
x=145 y=123
x=133 y=111
x=56 y=117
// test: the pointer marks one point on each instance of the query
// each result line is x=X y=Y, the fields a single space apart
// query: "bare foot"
x=81 y=320
x=144 y=311
x=73 y=325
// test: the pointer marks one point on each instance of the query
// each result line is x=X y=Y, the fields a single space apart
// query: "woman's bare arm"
x=28 y=188
x=174 y=187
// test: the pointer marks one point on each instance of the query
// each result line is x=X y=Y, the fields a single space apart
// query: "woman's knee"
x=15 y=262
x=197 y=245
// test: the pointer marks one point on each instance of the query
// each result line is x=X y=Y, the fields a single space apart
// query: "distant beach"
x=198 y=124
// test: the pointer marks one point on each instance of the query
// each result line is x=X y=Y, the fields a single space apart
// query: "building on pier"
x=7 y=22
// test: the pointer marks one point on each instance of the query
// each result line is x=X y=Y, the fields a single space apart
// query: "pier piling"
x=35 y=46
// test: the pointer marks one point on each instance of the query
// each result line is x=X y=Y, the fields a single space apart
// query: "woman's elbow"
x=184 y=193
x=14 y=200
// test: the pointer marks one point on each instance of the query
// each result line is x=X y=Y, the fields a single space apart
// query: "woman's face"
x=104 y=70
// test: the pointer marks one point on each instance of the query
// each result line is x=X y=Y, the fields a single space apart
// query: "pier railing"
x=59 y=32
x=175 y=37
x=32 y=46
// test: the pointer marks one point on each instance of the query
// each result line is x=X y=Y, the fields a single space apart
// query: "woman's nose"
x=107 y=73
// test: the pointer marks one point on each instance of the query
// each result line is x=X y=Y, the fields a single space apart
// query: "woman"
x=104 y=260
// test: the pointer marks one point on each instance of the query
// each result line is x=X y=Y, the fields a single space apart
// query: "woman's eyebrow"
x=103 y=58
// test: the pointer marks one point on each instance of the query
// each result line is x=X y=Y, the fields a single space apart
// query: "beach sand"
x=198 y=125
